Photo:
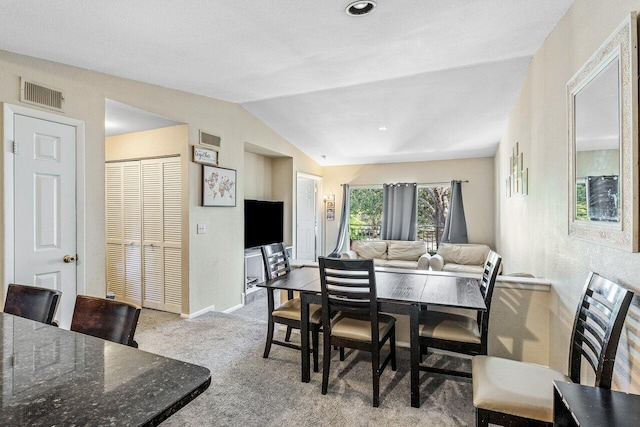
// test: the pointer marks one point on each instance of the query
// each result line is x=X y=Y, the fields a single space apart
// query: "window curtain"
x=455 y=226
x=399 y=211
x=344 y=222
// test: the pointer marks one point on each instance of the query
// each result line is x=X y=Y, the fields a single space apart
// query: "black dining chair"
x=32 y=302
x=512 y=393
x=107 y=319
x=350 y=317
x=466 y=332
x=276 y=262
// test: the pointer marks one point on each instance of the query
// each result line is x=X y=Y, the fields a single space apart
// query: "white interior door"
x=45 y=208
x=306 y=219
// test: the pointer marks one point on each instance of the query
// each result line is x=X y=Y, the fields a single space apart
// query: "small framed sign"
x=205 y=156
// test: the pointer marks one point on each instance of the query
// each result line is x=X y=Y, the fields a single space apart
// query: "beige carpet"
x=247 y=390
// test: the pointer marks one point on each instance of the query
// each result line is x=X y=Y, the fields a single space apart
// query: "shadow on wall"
x=508 y=316
x=626 y=376
x=519 y=325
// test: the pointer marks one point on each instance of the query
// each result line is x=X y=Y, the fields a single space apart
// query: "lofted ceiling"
x=440 y=76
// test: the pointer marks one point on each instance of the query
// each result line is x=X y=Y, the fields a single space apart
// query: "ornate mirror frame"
x=622 y=44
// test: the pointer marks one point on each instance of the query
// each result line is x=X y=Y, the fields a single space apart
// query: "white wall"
x=216 y=258
x=532 y=231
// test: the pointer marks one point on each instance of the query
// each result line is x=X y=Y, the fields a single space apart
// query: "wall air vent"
x=36 y=94
x=208 y=139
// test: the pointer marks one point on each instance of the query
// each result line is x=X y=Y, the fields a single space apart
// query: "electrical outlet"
x=202 y=228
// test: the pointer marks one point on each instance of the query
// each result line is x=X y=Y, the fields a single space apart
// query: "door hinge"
x=15 y=147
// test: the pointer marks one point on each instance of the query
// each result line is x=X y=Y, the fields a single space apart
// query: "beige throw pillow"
x=376 y=249
x=406 y=251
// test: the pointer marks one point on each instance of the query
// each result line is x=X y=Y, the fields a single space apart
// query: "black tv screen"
x=263 y=222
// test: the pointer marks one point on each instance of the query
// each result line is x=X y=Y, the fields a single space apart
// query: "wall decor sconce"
x=518 y=180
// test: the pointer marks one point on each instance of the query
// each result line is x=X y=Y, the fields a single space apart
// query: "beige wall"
x=216 y=258
x=477 y=193
x=532 y=231
x=257 y=176
x=163 y=142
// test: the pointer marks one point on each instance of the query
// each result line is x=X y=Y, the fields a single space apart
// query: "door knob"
x=69 y=258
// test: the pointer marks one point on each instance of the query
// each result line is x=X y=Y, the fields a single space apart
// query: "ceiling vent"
x=36 y=94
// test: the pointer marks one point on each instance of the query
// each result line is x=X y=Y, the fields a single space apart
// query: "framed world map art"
x=218 y=186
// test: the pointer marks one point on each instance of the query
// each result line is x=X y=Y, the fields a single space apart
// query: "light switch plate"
x=202 y=228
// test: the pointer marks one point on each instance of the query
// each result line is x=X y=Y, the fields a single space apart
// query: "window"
x=433 y=207
x=365 y=220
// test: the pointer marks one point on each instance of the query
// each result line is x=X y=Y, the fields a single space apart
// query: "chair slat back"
x=597 y=327
x=348 y=286
x=489 y=275
x=32 y=302
x=276 y=261
x=107 y=319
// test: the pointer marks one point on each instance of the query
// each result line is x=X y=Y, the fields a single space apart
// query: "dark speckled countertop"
x=55 y=377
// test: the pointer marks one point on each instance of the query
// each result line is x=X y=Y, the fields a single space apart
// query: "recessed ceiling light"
x=361 y=7
x=382 y=128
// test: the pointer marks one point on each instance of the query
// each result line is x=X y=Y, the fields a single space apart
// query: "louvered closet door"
x=162 y=231
x=123 y=224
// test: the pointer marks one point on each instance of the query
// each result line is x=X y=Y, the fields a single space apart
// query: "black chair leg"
x=342 y=354
x=267 y=346
x=393 y=349
x=375 y=368
x=326 y=363
x=287 y=337
x=482 y=417
x=315 y=337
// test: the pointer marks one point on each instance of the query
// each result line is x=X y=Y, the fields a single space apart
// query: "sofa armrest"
x=349 y=255
x=423 y=262
x=436 y=262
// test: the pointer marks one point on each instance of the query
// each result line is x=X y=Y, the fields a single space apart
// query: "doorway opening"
x=308 y=244
x=146 y=208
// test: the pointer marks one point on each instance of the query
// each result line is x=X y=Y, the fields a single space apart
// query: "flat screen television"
x=263 y=222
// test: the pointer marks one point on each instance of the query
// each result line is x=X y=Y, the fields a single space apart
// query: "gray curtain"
x=455 y=226
x=344 y=223
x=399 y=211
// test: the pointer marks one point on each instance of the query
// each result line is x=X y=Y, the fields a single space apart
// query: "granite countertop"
x=51 y=376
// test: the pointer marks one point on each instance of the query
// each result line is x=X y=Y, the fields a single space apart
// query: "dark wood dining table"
x=52 y=376
x=406 y=292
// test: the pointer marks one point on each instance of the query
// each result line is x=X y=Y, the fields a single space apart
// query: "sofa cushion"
x=461 y=268
x=370 y=248
x=406 y=251
x=464 y=253
x=380 y=262
x=399 y=263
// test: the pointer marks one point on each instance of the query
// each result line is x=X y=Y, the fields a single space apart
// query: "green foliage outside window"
x=581 y=202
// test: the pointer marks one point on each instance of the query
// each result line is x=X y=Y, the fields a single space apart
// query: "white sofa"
x=460 y=257
x=391 y=253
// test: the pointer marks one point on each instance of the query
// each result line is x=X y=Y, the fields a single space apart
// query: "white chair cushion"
x=449 y=326
x=291 y=310
x=514 y=388
x=360 y=329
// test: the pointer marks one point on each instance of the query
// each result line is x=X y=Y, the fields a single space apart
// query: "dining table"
x=399 y=291
x=52 y=376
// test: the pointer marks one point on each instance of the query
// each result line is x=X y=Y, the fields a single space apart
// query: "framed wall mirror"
x=602 y=100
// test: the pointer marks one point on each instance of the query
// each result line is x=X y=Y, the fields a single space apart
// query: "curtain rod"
x=419 y=183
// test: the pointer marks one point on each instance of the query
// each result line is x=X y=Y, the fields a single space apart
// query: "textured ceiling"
x=321 y=78
x=121 y=118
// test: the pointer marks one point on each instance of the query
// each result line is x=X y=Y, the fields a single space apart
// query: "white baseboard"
x=232 y=309
x=198 y=313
